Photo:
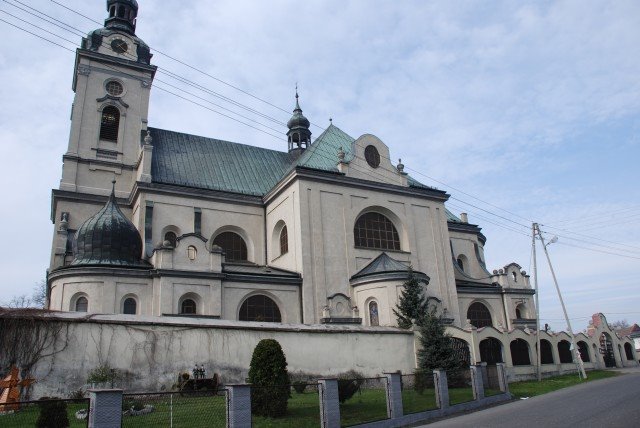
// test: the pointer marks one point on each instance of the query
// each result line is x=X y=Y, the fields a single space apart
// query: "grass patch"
x=460 y=395
x=413 y=401
x=531 y=388
x=303 y=411
x=368 y=405
x=28 y=415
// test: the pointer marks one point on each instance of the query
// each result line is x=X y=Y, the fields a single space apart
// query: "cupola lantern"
x=122 y=15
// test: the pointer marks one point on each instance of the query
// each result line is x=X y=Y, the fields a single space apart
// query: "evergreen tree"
x=437 y=348
x=269 y=379
x=412 y=304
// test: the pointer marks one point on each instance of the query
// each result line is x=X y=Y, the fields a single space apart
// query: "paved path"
x=612 y=402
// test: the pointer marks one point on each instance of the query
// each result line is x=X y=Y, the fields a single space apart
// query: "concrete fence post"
x=477 y=384
x=329 y=403
x=105 y=408
x=485 y=374
x=394 y=395
x=239 y=406
x=502 y=377
x=442 y=388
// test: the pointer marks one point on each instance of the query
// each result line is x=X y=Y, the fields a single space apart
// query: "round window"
x=372 y=156
x=114 y=88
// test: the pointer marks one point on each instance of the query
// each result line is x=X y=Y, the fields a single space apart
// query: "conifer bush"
x=348 y=384
x=437 y=350
x=53 y=414
x=269 y=380
x=412 y=304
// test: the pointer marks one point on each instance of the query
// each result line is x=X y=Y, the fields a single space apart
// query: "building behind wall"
x=152 y=224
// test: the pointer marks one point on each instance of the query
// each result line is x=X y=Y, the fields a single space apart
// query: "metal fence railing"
x=459 y=383
x=362 y=400
x=302 y=406
x=71 y=413
x=493 y=384
x=192 y=409
x=418 y=393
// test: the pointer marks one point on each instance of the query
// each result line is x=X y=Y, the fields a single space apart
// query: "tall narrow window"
x=373 y=314
x=171 y=238
x=109 y=124
x=82 y=304
x=233 y=245
x=373 y=230
x=284 y=241
x=130 y=306
x=460 y=264
x=197 y=220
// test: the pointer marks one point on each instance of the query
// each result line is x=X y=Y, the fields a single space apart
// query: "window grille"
x=82 y=304
x=233 y=245
x=373 y=230
x=172 y=238
x=260 y=308
x=188 y=307
x=479 y=315
x=130 y=306
x=284 y=241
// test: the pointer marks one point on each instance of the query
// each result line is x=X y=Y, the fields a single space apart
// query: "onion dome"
x=107 y=239
x=299 y=135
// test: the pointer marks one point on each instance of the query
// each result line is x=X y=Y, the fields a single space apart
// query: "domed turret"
x=108 y=239
x=299 y=135
x=122 y=15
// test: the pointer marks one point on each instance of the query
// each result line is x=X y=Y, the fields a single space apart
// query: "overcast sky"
x=533 y=107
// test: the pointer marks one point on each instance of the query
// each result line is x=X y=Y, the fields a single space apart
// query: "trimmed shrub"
x=348 y=384
x=53 y=414
x=269 y=380
x=299 y=386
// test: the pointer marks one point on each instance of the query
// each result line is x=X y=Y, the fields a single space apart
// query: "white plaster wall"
x=152 y=354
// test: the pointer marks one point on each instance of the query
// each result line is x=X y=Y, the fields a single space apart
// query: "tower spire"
x=298 y=135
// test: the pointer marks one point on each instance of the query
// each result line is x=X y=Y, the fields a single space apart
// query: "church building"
x=153 y=222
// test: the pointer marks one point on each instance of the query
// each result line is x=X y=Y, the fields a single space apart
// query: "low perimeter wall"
x=150 y=352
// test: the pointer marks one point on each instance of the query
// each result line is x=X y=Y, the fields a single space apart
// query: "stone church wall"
x=150 y=352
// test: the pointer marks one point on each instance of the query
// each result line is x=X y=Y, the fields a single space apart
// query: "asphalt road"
x=612 y=402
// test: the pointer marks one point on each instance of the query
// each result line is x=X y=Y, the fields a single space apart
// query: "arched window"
x=284 y=241
x=584 y=352
x=233 y=245
x=82 y=304
x=479 y=315
x=188 y=307
x=520 y=353
x=112 y=11
x=171 y=238
x=546 y=354
x=121 y=12
x=491 y=351
x=130 y=306
x=520 y=312
x=373 y=230
x=460 y=263
x=564 y=352
x=260 y=308
x=110 y=124
x=628 y=351
x=514 y=276
x=373 y=313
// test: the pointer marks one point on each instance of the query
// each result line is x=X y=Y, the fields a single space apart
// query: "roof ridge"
x=218 y=139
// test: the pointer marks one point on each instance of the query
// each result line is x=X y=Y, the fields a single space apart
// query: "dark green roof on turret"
x=108 y=239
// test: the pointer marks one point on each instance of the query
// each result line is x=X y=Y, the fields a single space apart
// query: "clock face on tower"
x=119 y=46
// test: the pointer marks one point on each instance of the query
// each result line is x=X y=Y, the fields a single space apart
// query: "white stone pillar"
x=502 y=377
x=329 y=403
x=442 y=388
x=477 y=384
x=105 y=408
x=394 y=395
x=239 y=406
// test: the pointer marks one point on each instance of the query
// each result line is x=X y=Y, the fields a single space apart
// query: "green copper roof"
x=207 y=163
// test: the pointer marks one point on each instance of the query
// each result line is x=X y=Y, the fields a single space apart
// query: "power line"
x=272 y=135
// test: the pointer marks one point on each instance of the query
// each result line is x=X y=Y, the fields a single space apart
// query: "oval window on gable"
x=374 y=230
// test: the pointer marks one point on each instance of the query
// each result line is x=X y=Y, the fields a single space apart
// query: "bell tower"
x=112 y=81
x=298 y=135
